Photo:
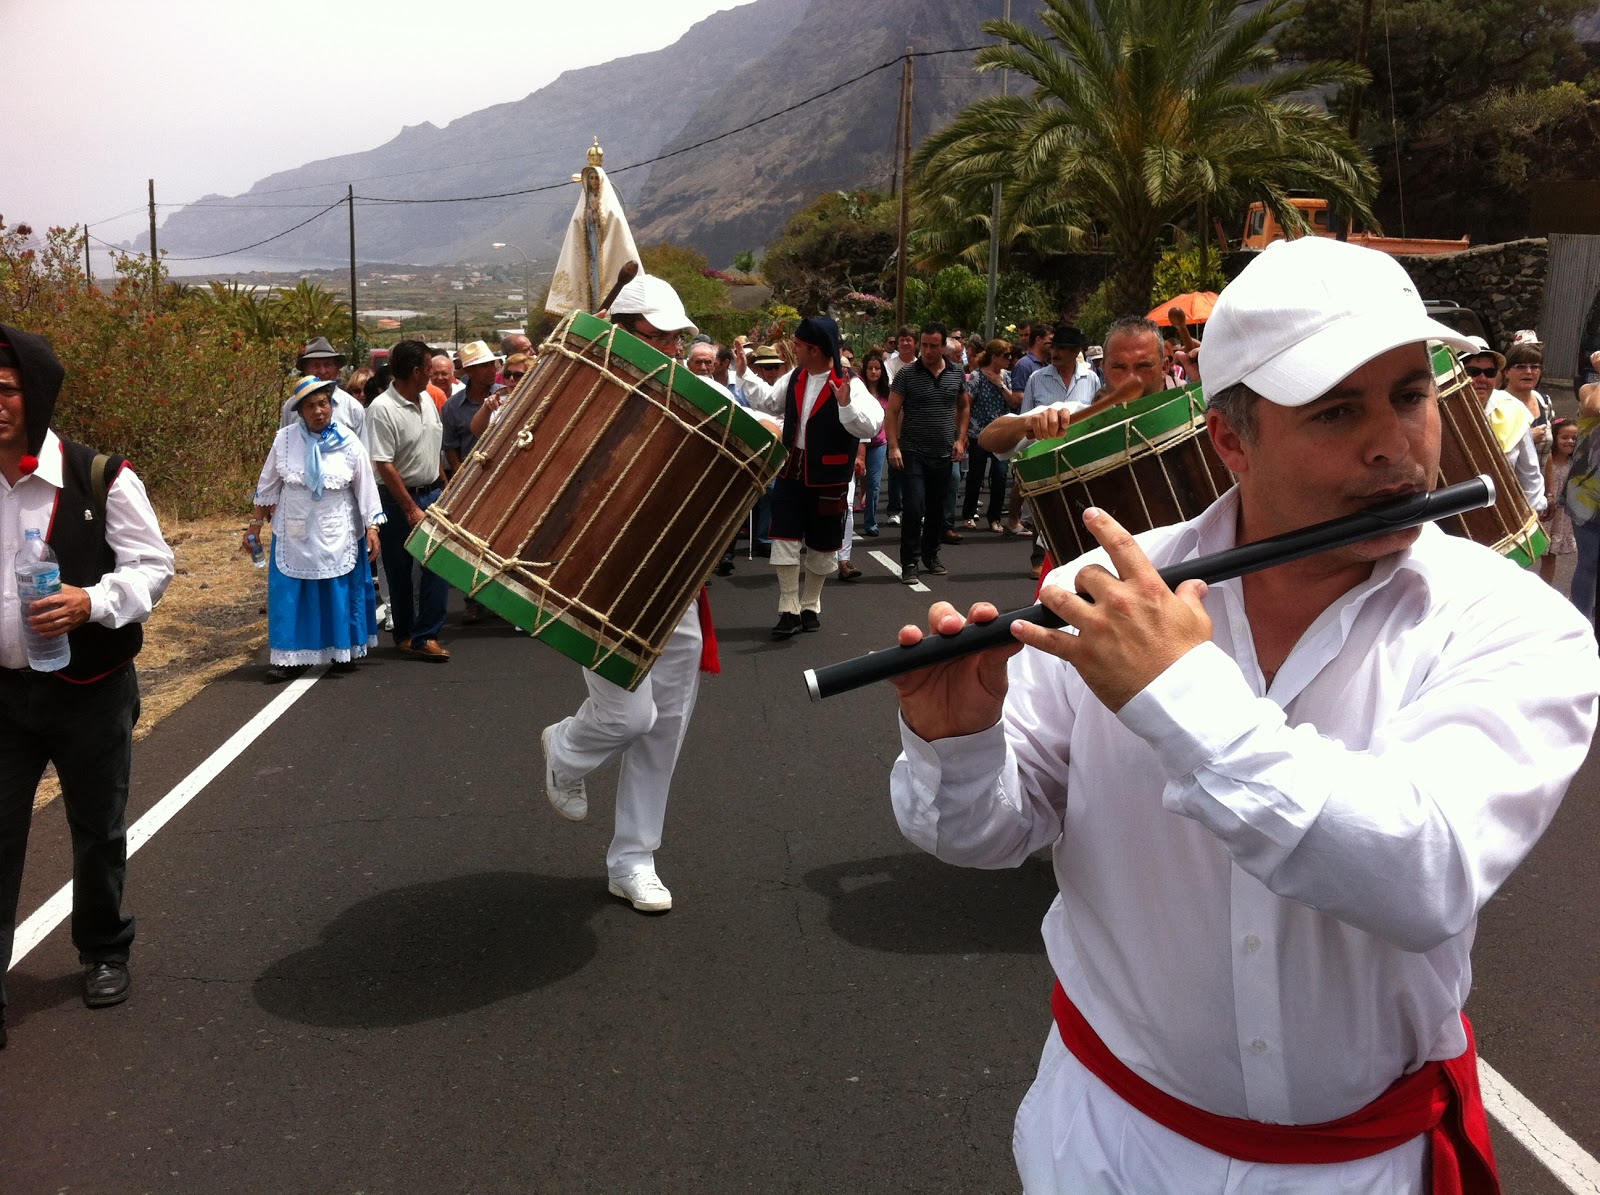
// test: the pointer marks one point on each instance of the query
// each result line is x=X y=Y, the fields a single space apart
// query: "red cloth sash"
x=709 y=662
x=1442 y=1099
x=1044 y=571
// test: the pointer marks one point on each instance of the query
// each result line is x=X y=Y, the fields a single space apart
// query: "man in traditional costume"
x=1277 y=804
x=827 y=411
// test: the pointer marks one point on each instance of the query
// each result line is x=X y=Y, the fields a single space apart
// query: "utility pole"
x=994 y=231
x=1363 y=42
x=355 y=326
x=154 y=259
x=88 y=265
x=905 y=192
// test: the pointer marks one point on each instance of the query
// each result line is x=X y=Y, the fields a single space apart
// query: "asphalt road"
x=371 y=958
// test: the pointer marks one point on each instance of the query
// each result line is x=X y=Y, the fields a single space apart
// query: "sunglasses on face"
x=1480 y=371
x=513 y=377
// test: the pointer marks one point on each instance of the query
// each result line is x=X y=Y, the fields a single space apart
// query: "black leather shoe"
x=724 y=568
x=809 y=621
x=105 y=984
x=788 y=624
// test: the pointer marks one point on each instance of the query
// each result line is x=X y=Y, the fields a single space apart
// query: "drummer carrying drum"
x=643 y=728
x=1275 y=806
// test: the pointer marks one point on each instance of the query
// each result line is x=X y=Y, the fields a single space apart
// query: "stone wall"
x=1503 y=283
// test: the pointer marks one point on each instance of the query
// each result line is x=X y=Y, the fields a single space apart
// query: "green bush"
x=154 y=373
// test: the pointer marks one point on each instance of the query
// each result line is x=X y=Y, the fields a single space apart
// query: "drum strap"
x=1442 y=1100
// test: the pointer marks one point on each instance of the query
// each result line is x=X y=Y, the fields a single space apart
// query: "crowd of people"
x=934 y=463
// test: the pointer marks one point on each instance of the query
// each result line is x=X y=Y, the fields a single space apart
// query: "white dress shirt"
x=144 y=561
x=862 y=416
x=1269 y=893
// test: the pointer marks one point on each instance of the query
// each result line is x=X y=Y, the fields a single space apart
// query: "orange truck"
x=1261 y=228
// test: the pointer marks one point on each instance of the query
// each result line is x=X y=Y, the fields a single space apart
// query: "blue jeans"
x=980 y=462
x=876 y=455
x=1583 y=576
x=417 y=604
x=957 y=469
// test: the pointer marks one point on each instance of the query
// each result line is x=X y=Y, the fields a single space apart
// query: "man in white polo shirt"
x=406 y=434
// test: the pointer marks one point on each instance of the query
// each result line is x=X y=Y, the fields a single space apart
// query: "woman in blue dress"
x=318 y=488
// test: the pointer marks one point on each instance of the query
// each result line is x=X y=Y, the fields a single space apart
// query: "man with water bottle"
x=83 y=564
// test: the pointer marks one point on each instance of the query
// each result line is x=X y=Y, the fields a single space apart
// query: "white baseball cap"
x=654 y=299
x=1306 y=314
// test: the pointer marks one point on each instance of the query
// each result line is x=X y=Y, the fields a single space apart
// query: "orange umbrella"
x=1196 y=307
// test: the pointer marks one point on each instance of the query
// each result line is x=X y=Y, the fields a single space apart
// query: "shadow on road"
x=914 y=904
x=30 y=995
x=434 y=950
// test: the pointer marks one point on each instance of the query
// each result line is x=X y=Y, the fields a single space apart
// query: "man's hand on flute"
x=962 y=696
x=1131 y=628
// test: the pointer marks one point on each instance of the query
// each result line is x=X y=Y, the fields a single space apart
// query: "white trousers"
x=646 y=727
x=849 y=520
x=1075 y=1136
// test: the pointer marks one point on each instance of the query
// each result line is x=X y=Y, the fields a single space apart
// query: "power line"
x=373 y=200
x=698 y=144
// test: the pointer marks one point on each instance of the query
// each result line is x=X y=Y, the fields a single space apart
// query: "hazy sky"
x=207 y=96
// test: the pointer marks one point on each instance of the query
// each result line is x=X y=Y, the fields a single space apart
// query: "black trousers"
x=923 y=486
x=87 y=732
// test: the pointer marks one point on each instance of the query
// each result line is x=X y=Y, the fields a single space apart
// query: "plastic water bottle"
x=39 y=576
x=258 y=554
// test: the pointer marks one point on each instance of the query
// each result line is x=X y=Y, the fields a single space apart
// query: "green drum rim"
x=1150 y=418
x=1528 y=547
x=687 y=386
x=439 y=555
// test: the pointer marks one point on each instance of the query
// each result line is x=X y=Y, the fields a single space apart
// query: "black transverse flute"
x=1405 y=512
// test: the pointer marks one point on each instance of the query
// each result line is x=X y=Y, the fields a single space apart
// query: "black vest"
x=77 y=535
x=830 y=450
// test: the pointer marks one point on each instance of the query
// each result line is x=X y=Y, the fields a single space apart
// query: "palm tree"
x=1141 y=113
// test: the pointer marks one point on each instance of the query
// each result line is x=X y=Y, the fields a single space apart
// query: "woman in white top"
x=318 y=488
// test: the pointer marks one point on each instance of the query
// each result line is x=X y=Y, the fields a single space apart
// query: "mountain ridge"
x=757 y=59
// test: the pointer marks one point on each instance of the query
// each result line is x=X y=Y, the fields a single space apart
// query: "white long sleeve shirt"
x=144 y=561
x=862 y=416
x=1269 y=893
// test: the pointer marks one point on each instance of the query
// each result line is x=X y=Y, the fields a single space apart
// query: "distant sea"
x=222 y=267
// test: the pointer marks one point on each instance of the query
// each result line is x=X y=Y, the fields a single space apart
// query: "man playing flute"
x=1276 y=804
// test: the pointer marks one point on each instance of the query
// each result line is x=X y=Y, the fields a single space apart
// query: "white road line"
x=894 y=570
x=54 y=911
x=1538 y=1134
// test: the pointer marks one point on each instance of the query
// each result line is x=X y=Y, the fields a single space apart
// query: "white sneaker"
x=385 y=619
x=894 y=519
x=567 y=797
x=642 y=889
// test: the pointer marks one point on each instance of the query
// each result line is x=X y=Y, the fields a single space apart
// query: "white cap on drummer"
x=654 y=299
x=1306 y=314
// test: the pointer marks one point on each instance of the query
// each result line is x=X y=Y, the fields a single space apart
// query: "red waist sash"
x=709 y=661
x=1442 y=1099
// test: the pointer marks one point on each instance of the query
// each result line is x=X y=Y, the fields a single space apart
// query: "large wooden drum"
x=1150 y=463
x=598 y=503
